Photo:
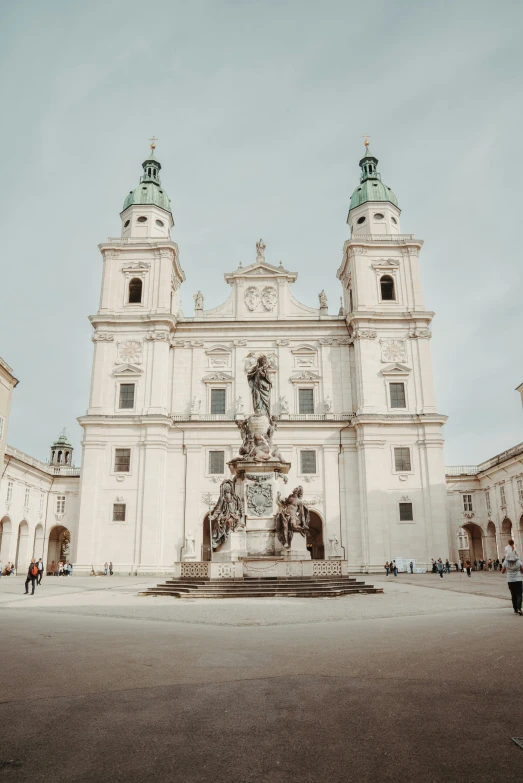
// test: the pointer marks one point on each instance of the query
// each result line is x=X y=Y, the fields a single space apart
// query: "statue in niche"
x=198 y=301
x=260 y=386
x=284 y=405
x=227 y=515
x=260 y=250
x=195 y=405
x=328 y=404
x=293 y=517
x=239 y=405
x=322 y=296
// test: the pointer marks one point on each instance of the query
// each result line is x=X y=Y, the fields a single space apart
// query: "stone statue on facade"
x=284 y=405
x=227 y=515
x=260 y=385
x=293 y=517
x=198 y=301
x=260 y=250
x=257 y=433
x=239 y=405
x=328 y=404
x=335 y=545
x=195 y=405
x=322 y=296
x=190 y=543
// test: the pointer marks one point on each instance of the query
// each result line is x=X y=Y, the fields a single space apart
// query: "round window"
x=379 y=216
x=142 y=219
x=394 y=220
x=361 y=220
x=160 y=223
x=126 y=223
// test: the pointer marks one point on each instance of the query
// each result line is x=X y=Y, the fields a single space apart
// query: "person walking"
x=513 y=568
x=40 y=566
x=105 y=569
x=32 y=574
x=394 y=568
x=468 y=567
x=440 y=567
x=387 y=568
x=475 y=565
x=110 y=569
x=411 y=567
x=447 y=566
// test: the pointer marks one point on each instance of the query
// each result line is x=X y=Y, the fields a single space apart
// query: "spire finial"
x=366 y=137
x=153 y=145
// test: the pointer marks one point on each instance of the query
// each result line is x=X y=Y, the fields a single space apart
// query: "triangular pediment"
x=305 y=375
x=218 y=350
x=127 y=369
x=396 y=369
x=223 y=377
x=261 y=269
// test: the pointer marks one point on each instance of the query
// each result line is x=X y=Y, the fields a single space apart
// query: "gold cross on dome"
x=153 y=140
x=366 y=137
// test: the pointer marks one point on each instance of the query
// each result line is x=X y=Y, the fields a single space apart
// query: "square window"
x=218 y=401
x=127 y=395
x=406 y=514
x=217 y=462
x=402 y=459
x=122 y=460
x=307 y=462
x=60 y=504
x=118 y=512
x=397 y=395
x=306 y=400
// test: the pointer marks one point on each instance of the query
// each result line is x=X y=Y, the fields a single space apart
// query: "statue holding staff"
x=260 y=386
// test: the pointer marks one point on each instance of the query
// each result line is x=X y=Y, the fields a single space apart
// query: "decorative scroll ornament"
x=99 y=337
x=259 y=499
x=251 y=298
x=129 y=352
x=393 y=351
x=269 y=297
x=369 y=334
x=158 y=336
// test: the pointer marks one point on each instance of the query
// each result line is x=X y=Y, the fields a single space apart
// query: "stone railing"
x=461 y=470
x=52 y=470
x=515 y=451
x=64 y=470
x=382 y=238
x=141 y=241
x=280 y=417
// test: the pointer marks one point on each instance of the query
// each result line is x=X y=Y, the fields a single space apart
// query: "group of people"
x=440 y=567
x=60 y=569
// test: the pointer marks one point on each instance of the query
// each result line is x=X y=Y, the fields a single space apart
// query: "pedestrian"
x=510 y=549
x=40 y=566
x=461 y=565
x=447 y=566
x=440 y=567
x=394 y=568
x=8 y=568
x=456 y=566
x=105 y=569
x=468 y=567
x=434 y=566
x=70 y=569
x=111 y=569
x=387 y=568
x=411 y=567
x=513 y=568
x=1 y=568
x=32 y=574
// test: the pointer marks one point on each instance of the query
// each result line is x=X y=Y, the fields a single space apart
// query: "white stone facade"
x=353 y=394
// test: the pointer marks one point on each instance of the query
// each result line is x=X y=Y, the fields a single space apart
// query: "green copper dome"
x=63 y=440
x=371 y=187
x=150 y=190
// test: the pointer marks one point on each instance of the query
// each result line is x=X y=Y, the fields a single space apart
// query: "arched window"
x=387 y=288
x=135 y=291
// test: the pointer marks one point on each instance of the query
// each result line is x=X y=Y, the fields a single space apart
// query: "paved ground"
x=422 y=683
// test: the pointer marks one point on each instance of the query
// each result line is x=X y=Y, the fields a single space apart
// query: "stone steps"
x=262 y=588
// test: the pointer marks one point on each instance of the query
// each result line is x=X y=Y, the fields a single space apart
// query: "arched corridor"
x=5 y=540
x=38 y=544
x=506 y=532
x=22 y=548
x=475 y=542
x=59 y=544
x=315 y=543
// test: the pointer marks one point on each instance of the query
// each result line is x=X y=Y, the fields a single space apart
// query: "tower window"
x=379 y=216
x=135 y=291
x=306 y=400
x=402 y=459
x=388 y=293
x=122 y=460
x=218 y=401
x=142 y=219
x=351 y=303
x=126 y=395
x=217 y=462
x=406 y=514
x=361 y=220
x=397 y=395
x=394 y=220
x=126 y=223
x=160 y=223
x=118 y=512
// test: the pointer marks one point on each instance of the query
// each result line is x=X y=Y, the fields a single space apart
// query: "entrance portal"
x=475 y=535
x=59 y=543
x=315 y=543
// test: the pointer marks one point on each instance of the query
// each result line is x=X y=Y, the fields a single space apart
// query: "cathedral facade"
x=352 y=396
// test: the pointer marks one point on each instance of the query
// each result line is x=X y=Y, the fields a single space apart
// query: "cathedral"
x=351 y=400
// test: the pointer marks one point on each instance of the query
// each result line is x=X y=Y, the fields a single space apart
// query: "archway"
x=315 y=543
x=492 y=550
x=506 y=532
x=38 y=545
x=59 y=544
x=5 y=540
x=474 y=535
x=206 y=539
x=22 y=548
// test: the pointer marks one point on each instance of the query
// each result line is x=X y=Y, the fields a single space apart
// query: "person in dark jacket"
x=32 y=575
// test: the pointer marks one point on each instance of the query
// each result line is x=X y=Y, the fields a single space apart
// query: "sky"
x=259 y=109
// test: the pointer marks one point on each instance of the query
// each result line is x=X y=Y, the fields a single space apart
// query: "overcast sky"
x=260 y=108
